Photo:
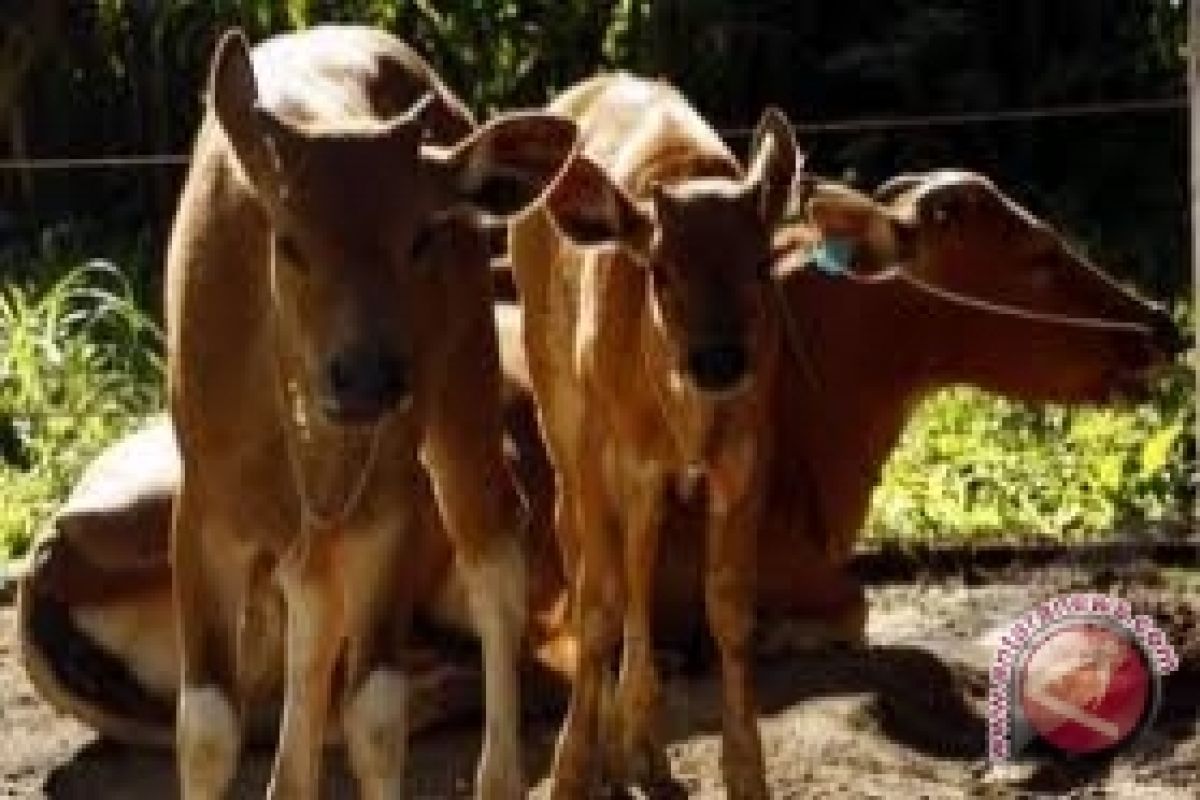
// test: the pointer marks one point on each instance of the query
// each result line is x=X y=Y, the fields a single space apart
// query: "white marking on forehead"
x=306 y=95
x=637 y=91
x=720 y=187
x=291 y=81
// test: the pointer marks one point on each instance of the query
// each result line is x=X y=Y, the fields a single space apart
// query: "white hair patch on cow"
x=208 y=741
x=375 y=726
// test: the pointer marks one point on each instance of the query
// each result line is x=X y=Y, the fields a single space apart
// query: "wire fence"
x=865 y=124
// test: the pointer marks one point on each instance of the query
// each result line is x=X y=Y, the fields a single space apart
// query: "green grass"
x=80 y=364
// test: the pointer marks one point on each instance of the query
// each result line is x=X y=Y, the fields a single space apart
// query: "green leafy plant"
x=972 y=464
x=79 y=363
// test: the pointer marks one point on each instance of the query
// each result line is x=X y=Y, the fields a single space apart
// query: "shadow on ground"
x=887 y=720
x=914 y=699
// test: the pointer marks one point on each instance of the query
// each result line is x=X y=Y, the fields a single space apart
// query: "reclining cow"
x=334 y=383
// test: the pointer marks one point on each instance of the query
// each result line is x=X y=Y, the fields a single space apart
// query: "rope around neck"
x=898 y=272
x=310 y=517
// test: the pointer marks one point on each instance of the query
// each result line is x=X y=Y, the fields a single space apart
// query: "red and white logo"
x=1085 y=687
x=1079 y=672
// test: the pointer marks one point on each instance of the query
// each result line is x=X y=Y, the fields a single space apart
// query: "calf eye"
x=762 y=268
x=286 y=247
x=942 y=213
x=422 y=241
x=945 y=211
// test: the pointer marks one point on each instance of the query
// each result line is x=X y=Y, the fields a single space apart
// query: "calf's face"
x=705 y=268
x=368 y=225
x=706 y=244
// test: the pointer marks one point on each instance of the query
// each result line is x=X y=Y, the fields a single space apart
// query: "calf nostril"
x=366 y=383
x=341 y=375
x=717 y=367
x=392 y=376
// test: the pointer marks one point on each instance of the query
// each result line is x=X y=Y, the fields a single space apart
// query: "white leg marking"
x=209 y=741
x=376 y=730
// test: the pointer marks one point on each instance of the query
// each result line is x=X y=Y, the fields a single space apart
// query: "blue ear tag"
x=833 y=256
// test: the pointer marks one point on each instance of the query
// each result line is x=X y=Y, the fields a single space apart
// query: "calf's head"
x=368 y=223
x=705 y=244
x=956 y=231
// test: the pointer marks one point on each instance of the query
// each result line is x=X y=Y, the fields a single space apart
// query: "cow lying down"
x=96 y=625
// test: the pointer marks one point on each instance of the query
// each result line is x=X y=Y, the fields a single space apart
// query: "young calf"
x=652 y=365
x=333 y=370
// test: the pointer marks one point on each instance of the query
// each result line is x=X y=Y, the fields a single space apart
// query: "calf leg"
x=484 y=517
x=208 y=731
x=640 y=758
x=496 y=594
x=375 y=721
x=596 y=608
x=308 y=579
x=729 y=597
x=493 y=570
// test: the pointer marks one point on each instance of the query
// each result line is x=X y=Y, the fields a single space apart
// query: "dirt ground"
x=901 y=717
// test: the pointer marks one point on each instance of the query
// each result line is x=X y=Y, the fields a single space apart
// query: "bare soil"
x=902 y=717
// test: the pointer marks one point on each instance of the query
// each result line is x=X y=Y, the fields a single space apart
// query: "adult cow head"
x=1027 y=314
x=706 y=244
x=367 y=220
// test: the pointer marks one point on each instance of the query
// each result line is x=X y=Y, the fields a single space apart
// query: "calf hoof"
x=639 y=762
x=286 y=789
x=500 y=781
x=745 y=783
x=742 y=764
x=574 y=787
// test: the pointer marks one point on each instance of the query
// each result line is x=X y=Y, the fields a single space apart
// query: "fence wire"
x=865 y=124
x=852 y=125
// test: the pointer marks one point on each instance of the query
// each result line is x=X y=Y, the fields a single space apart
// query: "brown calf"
x=332 y=371
x=652 y=364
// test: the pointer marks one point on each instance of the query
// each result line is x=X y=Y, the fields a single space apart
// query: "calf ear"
x=877 y=236
x=233 y=97
x=591 y=209
x=507 y=164
x=774 y=162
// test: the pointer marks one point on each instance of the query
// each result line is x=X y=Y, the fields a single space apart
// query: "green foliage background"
x=80 y=365
x=97 y=77
x=125 y=76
